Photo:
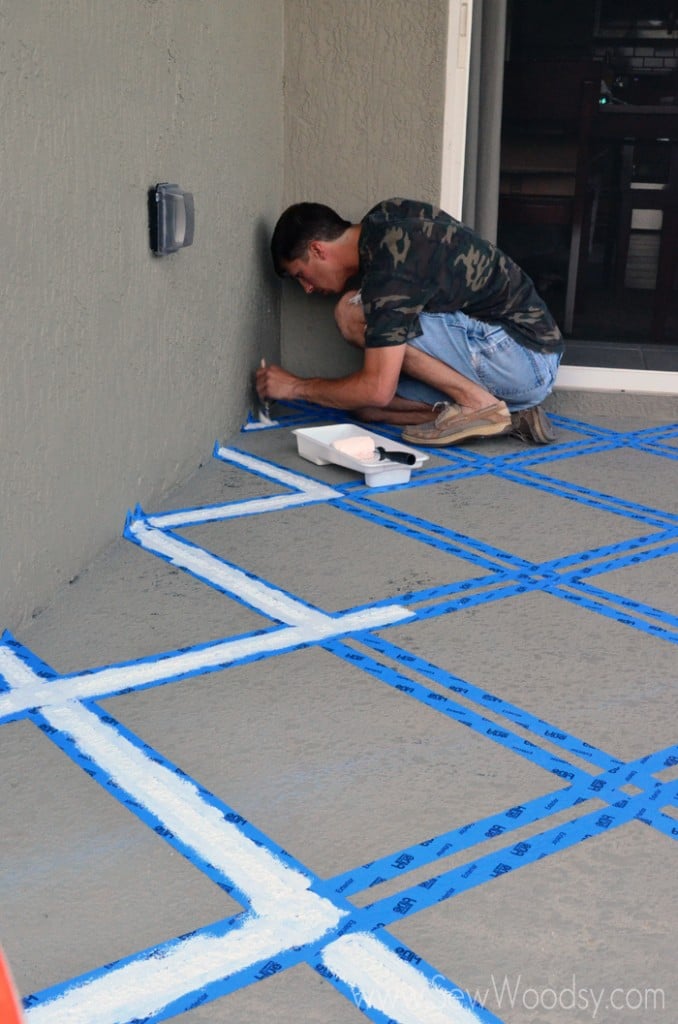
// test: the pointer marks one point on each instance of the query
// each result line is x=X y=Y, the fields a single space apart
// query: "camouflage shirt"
x=415 y=258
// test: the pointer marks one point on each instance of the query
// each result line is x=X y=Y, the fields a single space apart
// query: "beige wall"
x=119 y=369
x=364 y=101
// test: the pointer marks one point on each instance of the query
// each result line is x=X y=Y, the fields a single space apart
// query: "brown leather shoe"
x=452 y=426
x=532 y=425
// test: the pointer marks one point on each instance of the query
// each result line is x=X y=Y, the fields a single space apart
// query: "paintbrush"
x=265 y=405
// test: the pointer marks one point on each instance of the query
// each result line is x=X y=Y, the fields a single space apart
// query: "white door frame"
x=577 y=378
x=459 y=19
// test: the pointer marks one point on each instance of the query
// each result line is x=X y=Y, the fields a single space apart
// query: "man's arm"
x=373 y=385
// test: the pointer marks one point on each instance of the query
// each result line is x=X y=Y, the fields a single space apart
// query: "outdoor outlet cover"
x=170 y=218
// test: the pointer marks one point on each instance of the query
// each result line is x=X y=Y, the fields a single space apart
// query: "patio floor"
x=301 y=749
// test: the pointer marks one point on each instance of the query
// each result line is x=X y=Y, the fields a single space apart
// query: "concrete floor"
x=300 y=750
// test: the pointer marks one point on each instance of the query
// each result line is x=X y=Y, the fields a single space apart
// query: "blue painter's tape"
x=38 y=667
x=626 y=604
x=461 y=587
x=563 y=452
x=136 y=515
x=455 y=841
x=434 y=535
x=581 y=427
x=665 y=451
x=579 y=595
x=169 y=677
x=258 y=471
x=510 y=858
x=602 y=787
x=438 y=608
x=189 y=545
x=541 y=728
x=408 y=956
x=254 y=972
x=408 y=526
x=626 y=552
x=159 y=952
x=461 y=714
x=589 y=497
x=423 y=477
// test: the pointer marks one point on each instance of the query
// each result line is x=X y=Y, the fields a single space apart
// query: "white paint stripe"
x=283 y=476
x=286 y=913
x=218 y=513
x=265 y=598
x=106 y=681
x=306 y=491
x=143 y=988
x=261 y=425
x=381 y=980
x=176 y=802
x=14 y=670
x=27 y=688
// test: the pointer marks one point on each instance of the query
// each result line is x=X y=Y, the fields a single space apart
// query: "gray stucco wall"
x=119 y=369
x=364 y=100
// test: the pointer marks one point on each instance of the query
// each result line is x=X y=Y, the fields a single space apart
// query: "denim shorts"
x=485 y=354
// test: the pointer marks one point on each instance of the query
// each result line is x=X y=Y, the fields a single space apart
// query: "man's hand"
x=273 y=382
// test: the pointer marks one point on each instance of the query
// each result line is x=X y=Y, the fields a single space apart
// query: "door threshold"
x=611 y=378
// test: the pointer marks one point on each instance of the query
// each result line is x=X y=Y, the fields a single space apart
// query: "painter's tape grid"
x=481 y=871
x=351 y=948
x=458 y=712
x=668 y=622
x=603 y=786
x=401 y=906
x=589 y=497
x=224 y=846
x=443 y=538
x=462 y=547
x=493 y=865
x=580 y=598
x=414 y=527
x=483 y=698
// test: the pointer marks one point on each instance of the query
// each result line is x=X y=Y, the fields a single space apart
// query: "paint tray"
x=315 y=445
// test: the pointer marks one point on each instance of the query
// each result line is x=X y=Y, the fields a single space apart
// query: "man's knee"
x=350 y=319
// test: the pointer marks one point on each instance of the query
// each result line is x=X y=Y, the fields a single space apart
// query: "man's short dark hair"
x=300 y=225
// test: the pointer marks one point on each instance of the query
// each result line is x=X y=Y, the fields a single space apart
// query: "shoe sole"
x=489 y=430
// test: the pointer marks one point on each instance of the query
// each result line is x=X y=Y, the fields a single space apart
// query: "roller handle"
x=406 y=458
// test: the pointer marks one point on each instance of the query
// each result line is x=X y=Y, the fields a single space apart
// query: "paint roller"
x=363 y=448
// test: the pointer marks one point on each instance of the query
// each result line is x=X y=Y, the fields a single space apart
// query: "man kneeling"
x=457 y=344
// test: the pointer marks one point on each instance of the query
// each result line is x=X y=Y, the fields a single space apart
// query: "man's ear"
x=318 y=249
